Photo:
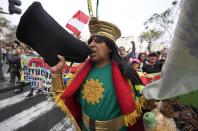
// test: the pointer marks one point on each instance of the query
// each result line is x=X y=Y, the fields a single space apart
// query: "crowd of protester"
x=11 y=55
x=144 y=63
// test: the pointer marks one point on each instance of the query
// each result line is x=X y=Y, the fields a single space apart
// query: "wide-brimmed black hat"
x=40 y=31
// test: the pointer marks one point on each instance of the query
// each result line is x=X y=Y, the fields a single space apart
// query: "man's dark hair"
x=125 y=68
x=152 y=54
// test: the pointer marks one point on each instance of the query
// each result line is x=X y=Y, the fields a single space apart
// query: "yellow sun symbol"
x=92 y=91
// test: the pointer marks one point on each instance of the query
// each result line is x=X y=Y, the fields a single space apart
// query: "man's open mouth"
x=93 y=52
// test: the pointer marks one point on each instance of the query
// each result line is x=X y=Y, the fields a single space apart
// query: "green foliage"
x=11 y=29
x=150 y=35
x=165 y=20
x=4 y=22
x=161 y=24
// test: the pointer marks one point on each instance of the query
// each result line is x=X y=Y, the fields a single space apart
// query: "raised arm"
x=57 y=81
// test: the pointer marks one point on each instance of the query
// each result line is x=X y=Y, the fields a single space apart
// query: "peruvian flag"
x=77 y=22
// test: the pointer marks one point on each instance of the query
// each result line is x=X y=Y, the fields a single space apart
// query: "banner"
x=35 y=72
x=180 y=71
x=150 y=78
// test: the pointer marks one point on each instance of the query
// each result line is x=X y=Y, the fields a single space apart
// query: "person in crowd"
x=3 y=51
x=22 y=56
x=142 y=59
x=101 y=83
x=135 y=63
x=14 y=63
x=152 y=66
x=132 y=53
x=122 y=51
x=8 y=54
x=127 y=55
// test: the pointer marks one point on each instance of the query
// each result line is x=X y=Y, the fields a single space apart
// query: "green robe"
x=106 y=107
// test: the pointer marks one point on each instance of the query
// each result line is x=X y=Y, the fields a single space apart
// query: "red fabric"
x=65 y=69
x=73 y=29
x=152 y=79
x=122 y=89
x=144 y=80
x=77 y=81
x=69 y=97
x=80 y=16
x=75 y=109
x=137 y=127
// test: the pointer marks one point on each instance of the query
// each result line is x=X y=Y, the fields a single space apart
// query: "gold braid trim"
x=60 y=103
x=140 y=105
x=130 y=119
x=58 y=89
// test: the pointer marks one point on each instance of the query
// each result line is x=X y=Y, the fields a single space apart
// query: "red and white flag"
x=77 y=22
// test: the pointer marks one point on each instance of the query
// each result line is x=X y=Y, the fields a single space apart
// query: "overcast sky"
x=128 y=15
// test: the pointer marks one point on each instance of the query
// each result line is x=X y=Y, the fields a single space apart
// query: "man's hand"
x=58 y=67
x=132 y=42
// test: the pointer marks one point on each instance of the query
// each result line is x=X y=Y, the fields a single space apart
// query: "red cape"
x=126 y=101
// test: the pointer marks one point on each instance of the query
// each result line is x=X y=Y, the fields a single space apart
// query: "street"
x=21 y=113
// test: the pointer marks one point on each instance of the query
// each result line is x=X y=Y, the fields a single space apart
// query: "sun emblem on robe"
x=93 y=91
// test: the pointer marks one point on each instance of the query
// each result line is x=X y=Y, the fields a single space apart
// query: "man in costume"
x=104 y=92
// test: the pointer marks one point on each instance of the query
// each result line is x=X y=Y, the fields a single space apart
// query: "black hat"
x=40 y=31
